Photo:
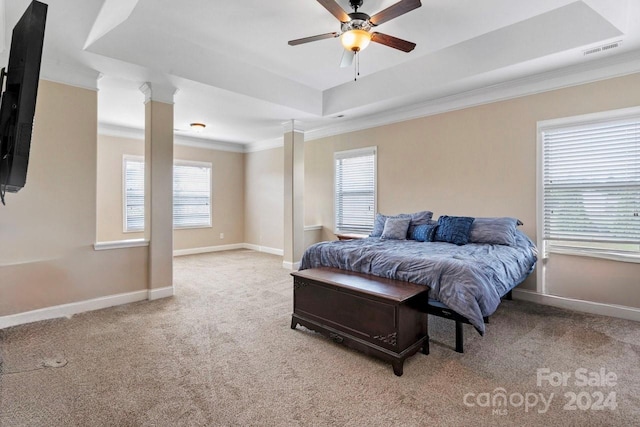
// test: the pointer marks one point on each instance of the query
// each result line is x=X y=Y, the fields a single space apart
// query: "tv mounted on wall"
x=19 y=98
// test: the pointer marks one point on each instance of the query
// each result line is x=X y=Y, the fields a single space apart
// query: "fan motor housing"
x=359 y=21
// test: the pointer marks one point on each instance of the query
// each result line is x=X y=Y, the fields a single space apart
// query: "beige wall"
x=48 y=229
x=109 y=204
x=264 y=199
x=227 y=199
x=479 y=161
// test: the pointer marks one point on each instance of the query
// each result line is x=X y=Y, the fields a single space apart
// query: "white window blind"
x=355 y=190
x=133 y=194
x=191 y=194
x=591 y=186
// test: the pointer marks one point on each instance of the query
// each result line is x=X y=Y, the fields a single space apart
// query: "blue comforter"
x=469 y=279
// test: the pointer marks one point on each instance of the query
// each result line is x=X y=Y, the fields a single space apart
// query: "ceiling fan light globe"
x=355 y=40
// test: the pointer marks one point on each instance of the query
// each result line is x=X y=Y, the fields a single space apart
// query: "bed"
x=467 y=278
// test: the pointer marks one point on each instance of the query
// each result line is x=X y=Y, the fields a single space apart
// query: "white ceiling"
x=234 y=71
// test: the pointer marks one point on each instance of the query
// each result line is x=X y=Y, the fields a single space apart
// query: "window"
x=355 y=190
x=589 y=189
x=133 y=194
x=191 y=194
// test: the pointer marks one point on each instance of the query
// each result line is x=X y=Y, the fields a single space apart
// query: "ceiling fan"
x=355 y=30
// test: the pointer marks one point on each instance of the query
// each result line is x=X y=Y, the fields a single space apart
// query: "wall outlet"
x=221 y=235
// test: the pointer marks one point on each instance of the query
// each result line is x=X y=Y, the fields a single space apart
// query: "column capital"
x=292 y=126
x=158 y=92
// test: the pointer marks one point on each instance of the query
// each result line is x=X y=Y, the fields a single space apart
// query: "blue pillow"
x=419 y=218
x=424 y=232
x=454 y=229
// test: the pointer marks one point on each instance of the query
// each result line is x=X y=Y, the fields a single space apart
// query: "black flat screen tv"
x=18 y=104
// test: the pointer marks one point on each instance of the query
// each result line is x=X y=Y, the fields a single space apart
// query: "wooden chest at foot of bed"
x=377 y=316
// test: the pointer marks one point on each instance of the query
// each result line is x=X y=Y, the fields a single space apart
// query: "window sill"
x=120 y=244
x=610 y=255
x=191 y=227
x=185 y=227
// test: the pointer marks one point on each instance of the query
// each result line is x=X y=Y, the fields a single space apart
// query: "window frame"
x=176 y=162
x=129 y=158
x=574 y=247
x=198 y=164
x=358 y=152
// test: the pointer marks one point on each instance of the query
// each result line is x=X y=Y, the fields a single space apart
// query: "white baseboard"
x=611 y=310
x=265 y=249
x=290 y=265
x=155 y=294
x=68 y=310
x=207 y=249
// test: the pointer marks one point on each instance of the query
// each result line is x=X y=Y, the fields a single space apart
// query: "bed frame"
x=436 y=308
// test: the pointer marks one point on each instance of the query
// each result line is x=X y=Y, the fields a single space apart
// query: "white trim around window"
x=130 y=165
x=192 y=194
x=355 y=190
x=588 y=185
x=192 y=189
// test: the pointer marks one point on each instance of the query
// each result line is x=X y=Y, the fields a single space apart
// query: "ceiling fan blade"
x=347 y=58
x=313 y=38
x=335 y=9
x=394 y=11
x=393 y=42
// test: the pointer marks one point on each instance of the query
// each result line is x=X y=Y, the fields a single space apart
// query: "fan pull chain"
x=355 y=66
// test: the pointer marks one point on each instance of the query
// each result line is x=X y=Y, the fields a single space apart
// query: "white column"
x=293 y=194
x=158 y=142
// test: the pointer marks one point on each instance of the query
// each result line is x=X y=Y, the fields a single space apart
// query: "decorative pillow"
x=396 y=228
x=417 y=218
x=495 y=231
x=378 y=224
x=423 y=232
x=422 y=217
x=454 y=229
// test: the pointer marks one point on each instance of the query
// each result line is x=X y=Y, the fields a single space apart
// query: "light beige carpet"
x=221 y=352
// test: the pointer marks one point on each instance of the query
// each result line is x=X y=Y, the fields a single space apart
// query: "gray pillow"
x=495 y=231
x=396 y=228
x=417 y=218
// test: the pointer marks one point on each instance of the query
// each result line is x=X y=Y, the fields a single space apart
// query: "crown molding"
x=158 y=92
x=109 y=129
x=208 y=144
x=77 y=76
x=612 y=67
x=589 y=72
x=292 y=126
x=268 y=144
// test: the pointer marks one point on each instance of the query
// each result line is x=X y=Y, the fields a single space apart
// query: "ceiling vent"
x=602 y=48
